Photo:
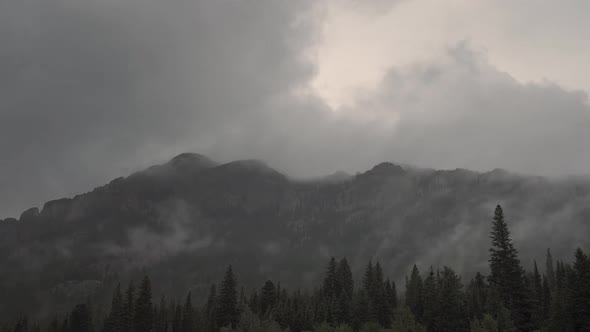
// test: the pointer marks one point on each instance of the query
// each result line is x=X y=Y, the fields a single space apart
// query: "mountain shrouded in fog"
x=185 y=220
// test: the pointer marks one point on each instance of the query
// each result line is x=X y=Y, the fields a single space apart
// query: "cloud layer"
x=94 y=90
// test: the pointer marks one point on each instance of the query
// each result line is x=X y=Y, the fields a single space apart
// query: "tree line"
x=508 y=299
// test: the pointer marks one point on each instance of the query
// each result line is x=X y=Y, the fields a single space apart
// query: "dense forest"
x=508 y=299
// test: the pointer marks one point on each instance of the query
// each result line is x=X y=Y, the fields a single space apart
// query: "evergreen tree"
x=227 y=313
x=368 y=278
x=114 y=321
x=330 y=286
x=581 y=291
x=549 y=271
x=161 y=322
x=537 y=298
x=345 y=289
x=476 y=297
x=507 y=275
x=451 y=308
x=81 y=319
x=267 y=298
x=177 y=319
x=546 y=298
x=360 y=309
x=211 y=309
x=143 y=309
x=430 y=302
x=188 y=315
x=392 y=291
x=414 y=293
x=128 y=309
x=344 y=278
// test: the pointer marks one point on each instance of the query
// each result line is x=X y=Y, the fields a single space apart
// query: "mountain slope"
x=184 y=221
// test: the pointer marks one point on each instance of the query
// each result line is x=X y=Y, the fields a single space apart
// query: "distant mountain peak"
x=188 y=159
x=386 y=169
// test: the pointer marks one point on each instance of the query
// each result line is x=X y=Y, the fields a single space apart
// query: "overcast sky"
x=95 y=89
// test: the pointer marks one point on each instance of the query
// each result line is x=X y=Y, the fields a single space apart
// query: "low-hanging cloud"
x=93 y=90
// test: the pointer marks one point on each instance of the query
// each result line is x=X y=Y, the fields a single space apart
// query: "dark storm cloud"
x=92 y=90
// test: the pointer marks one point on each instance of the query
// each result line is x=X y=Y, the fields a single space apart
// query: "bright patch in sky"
x=357 y=46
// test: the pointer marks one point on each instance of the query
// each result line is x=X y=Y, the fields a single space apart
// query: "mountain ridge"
x=186 y=219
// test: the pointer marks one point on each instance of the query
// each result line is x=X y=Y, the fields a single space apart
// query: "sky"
x=96 y=89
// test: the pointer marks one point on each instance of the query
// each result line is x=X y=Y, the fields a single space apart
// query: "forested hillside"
x=183 y=222
x=508 y=299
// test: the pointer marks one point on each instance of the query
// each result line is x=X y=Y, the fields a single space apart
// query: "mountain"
x=184 y=221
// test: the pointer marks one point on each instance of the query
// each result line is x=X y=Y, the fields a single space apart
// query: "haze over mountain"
x=184 y=221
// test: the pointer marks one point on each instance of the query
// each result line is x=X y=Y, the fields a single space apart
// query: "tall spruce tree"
x=344 y=278
x=451 y=311
x=536 y=286
x=211 y=309
x=128 y=309
x=177 y=318
x=188 y=315
x=581 y=291
x=430 y=301
x=549 y=270
x=414 y=293
x=507 y=275
x=143 y=309
x=81 y=319
x=114 y=321
x=227 y=313
x=267 y=298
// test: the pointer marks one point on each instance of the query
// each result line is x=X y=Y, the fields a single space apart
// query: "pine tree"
x=177 y=319
x=128 y=309
x=414 y=293
x=507 y=275
x=267 y=298
x=344 y=278
x=451 y=311
x=143 y=309
x=378 y=298
x=581 y=291
x=80 y=319
x=228 y=314
x=188 y=315
x=476 y=297
x=161 y=322
x=549 y=271
x=114 y=320
x=211 y=309
x=393 y=295
x=330 y=287
x=368 y=278
x=536 y=286
x=344 y=293
x=430 y=302
x=546 y=298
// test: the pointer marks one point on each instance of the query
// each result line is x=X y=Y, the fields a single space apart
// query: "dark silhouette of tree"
x=188 y=315
x=507 y=275
x=128 y=309
x=227 y=313
x=414 y=293
x=581 y=291
x=81 y=319
x=143 y=309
